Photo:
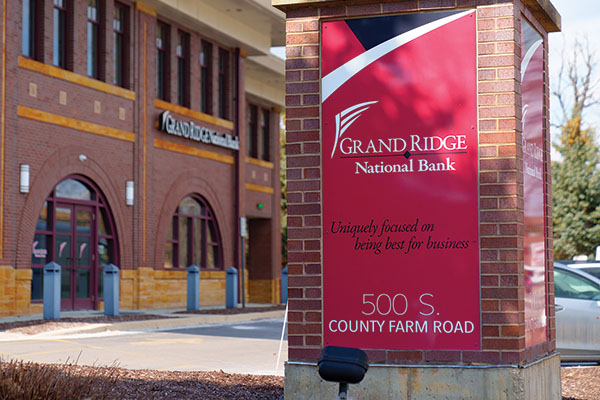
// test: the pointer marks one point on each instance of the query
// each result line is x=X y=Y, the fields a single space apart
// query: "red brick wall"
x=501 y=183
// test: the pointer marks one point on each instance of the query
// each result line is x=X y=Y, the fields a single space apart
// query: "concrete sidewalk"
x=171 y=320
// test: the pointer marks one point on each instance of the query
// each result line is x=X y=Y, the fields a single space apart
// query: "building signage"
x=191 y=131
x=532 y=92
x=400 y=182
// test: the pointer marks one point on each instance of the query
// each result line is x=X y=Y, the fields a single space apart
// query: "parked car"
x=592 y=268
x=577 y=302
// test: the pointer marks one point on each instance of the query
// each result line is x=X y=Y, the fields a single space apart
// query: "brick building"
x=138 y=134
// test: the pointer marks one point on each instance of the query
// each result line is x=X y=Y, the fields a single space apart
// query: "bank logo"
x=344 y=119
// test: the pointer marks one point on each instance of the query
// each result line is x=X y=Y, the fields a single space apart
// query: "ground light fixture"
x=344 y=365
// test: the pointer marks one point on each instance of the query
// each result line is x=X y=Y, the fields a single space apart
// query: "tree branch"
x=576 y=89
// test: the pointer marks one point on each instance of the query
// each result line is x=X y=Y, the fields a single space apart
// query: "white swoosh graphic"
x=528 y=56
x=342 y=74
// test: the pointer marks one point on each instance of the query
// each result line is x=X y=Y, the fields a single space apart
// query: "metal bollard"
x=284 y=285
x=231 y=283
x=52 y=290
x=193 y=288
x=111 y=290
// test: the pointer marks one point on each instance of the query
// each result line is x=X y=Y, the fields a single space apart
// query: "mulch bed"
x=33 y=327
x=229 y=311
x=580 y=383
x=146 y=384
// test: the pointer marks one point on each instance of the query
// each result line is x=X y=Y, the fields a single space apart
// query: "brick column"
x=501 y=186
x=501 y=183
x=501 y=214
x=303 y=185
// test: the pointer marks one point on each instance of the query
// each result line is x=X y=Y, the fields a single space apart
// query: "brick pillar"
x=303 y=185
x=505 y=343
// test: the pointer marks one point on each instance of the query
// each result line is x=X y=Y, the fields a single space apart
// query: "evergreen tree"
x=576 y=178
x=576 y=192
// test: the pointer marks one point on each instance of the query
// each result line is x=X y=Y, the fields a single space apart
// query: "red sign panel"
x=400 y=182
x=532 y=84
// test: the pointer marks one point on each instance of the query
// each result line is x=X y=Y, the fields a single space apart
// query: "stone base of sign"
x=537 y=381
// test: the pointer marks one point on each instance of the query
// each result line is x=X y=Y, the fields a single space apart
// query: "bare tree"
x=577 y=82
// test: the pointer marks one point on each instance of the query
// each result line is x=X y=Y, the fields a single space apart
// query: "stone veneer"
x=140 y=288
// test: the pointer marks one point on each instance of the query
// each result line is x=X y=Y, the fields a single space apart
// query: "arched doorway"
x=74 y=229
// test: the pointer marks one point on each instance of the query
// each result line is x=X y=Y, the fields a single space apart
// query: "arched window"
x=75 y=230
x=193 y=236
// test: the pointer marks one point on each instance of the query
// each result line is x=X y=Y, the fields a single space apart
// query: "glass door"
x=83 y=275
x=73 y=251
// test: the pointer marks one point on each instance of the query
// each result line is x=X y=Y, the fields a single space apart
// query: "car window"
x=573 y=286
x=595 y=271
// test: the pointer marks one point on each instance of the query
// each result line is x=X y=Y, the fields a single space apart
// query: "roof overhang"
x=265 y=79
x=251 y=25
